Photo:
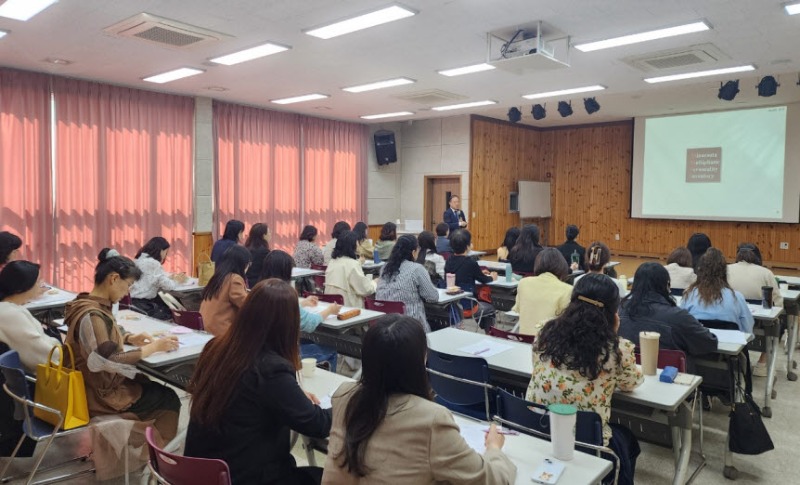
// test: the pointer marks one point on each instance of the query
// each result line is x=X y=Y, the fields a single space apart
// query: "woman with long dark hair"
x=338 y=229
x=10 y=245
x=344 y=275
x=597 y=258
x=387 y=429
x=579 y=359
x=429 y=257
x=698 y=244
x=509 y=240
x=365 y=247
x=144 y=293
x=226 y=291
x=712 y=298
x=234 y=232
x=523 y=254
x=245 y=395
x=406 y=281
x=306 y=252
x=258 y=244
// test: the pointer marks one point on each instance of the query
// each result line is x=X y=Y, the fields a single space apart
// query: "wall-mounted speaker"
x=385 y=150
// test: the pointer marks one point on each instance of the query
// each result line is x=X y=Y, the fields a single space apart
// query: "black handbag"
x=748 y=435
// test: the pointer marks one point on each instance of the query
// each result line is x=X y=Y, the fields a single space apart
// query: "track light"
x=591 y=105
x=514 y=115
x=538 y=112
x=767 y=87
x=565 y=109
x=729 y=90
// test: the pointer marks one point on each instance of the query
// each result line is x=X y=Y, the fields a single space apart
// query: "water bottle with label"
x=575 y=257
x=509 y=273
x=376 y=258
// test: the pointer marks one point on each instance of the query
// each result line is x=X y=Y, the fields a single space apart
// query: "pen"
x=481 y=351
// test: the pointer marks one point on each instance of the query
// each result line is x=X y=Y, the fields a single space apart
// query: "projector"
x=520 y=48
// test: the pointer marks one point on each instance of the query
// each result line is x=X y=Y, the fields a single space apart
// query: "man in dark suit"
x=454 y=217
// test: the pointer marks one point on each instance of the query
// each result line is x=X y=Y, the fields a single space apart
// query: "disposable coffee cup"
x=562 y=430
x=451 y=280
x=309 y=365
x=766 y=296
x=648 y=343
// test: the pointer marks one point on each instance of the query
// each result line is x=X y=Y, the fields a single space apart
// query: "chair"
x=339 y=299
x=667 y=357
x=517 y=337
x=173 y=469
x=16 y=386
x=461 y=384
x=385 y=306
x=719 y=324
x=188 y=319
x=319 y=280
x=446 y=255
x=677 y=291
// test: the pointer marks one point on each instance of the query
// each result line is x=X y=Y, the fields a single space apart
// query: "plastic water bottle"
x=376 y=258
x=509 y=273
x=574 y=257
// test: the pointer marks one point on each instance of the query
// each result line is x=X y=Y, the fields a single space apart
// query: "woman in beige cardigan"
x=344 y=275
x=226 y=291
x=386 y=428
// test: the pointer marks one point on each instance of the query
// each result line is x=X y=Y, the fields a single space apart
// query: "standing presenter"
x=454 y=217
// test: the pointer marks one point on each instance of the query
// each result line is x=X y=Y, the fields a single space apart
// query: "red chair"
x=446 y=255
x=517 y=337
x=193 y=320
x=319 y=280
x=185 y=470
x=385 y=306
x=666 y=357
x=326 y=298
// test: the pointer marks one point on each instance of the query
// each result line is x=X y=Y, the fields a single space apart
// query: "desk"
x=515 y=365
x=305 y=273
x=445 y=299
x=371 y=267
x=526 y=452
x=190 y=286
x=51 y=299
x=137 y=323
x=476 y=254
x=492 y=265
x=333 y=323
x=342 y=335
x=790 y=305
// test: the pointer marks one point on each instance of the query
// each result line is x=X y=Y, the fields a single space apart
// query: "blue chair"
x=461 y=384
x=17 y=387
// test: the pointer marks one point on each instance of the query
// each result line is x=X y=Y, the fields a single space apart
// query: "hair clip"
x=590 y=301
x=112 y=253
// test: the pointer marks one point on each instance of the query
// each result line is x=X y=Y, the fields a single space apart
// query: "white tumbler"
x=562 y=430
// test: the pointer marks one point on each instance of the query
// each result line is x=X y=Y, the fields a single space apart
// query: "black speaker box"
x=385 y=150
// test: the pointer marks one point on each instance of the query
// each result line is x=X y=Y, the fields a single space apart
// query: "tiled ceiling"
x=445 y=34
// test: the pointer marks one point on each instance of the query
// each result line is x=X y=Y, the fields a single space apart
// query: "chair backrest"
x=461 y=383
x=14 y=374
x=193 y=320
x=719 y=324
x=667 y=357
x=385 y=306
x=588 y=424
x=676 y=291
x=753 y=301
x=326 y=298
x=319 y=280
x=446 y=254
x=125 y=302
x=517 y=337
x=185 y=470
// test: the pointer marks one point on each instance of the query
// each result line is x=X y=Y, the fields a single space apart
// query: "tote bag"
x=62 y=389
x=205 y=269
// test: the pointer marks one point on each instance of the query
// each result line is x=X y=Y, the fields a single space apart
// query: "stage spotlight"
x=729 y=90
x=767 y=87
x=538 y=112
x=514 y=115
x=564 y=108
x=591 y=105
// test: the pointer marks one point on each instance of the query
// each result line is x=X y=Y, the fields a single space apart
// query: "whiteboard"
x=534 y=199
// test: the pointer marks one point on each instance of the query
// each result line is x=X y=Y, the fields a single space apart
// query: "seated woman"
x=278 y=264
x=579 y=359
x=712 y=298
x=523 y=255
x=144 y=293
x=365 y=247
x=442 y=239
x=386 y=240
x=225 y=292
x=597 y=257
x=387 y=429
x=20 y=283
x=306 y=252
x=680 y=269
x=545 y=295
x=650 y=308
x=338 y=228
x=697 y=245
x=467 y=272
x=344 y=275
x=113 y=384
x=510 y=239
x=234 y=232
x=406 y=281
x=258 y=244
x=245 y=395
x=10 y=245
x=428 y=256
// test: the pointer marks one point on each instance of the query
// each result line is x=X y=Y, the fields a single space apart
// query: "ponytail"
x=110 y=261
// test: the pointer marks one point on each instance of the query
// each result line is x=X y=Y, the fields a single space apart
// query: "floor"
x=655 y=465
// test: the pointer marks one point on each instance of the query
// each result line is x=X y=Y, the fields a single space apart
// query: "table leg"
x=791 y=341
x=771 y=344
x=681 y=425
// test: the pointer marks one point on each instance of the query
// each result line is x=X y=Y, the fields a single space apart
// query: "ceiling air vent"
x=704 y=56
x=430 y=97
x=164 y=32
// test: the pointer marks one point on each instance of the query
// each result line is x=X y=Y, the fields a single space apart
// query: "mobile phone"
x=548 y=472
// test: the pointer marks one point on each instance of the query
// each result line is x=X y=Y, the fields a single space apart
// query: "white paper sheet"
x=730 y=336
x=325 y=402
x=475 y=436
x=485 y=348
x=193 y=339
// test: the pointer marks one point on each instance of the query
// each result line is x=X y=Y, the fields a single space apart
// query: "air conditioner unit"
x=164 y=32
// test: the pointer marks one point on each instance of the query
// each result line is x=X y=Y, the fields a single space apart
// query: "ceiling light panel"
x=257 y=52
x=23 y=9
x=792 y=8
x=300 y=99
x=565 y=92
x=473 y=104
x=379 y=85
x=387 y=115
x=173 y=75
x=643 y=37
x=378 y=17
x=460 y=71
x=696 y=74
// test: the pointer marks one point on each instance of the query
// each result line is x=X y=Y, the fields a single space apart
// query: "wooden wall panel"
x=590 y=173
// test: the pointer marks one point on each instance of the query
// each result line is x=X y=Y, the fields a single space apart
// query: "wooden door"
x=438 y=189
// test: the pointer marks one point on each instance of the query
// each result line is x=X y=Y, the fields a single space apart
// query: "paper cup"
x=562 y=430
x=451 y=280
x=648 y=343
x=309 y=365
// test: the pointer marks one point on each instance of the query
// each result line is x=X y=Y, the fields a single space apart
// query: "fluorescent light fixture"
x=299 y=99
x=691 y=75
x=3 y=33
x=464 y=105
x=458 y=71
x=250 y=54
x=173 y=75
x=565 y=92
x=792 y=8
x=643 y=37
x=379 y=85
x=387 y=115
x=23 y=9
x=378 y=17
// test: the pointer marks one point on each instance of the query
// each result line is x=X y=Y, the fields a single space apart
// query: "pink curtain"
x=25 y=170
x=334 y=173
x=123 y=175
x=258 y=170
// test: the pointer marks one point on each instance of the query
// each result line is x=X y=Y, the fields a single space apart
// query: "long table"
x=526 y=452
x=515 y=365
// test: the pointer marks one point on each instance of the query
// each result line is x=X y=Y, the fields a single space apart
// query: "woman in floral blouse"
x=579 y=359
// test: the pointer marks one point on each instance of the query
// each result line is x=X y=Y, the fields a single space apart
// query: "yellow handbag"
x=61 y=389
x=205 y=269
